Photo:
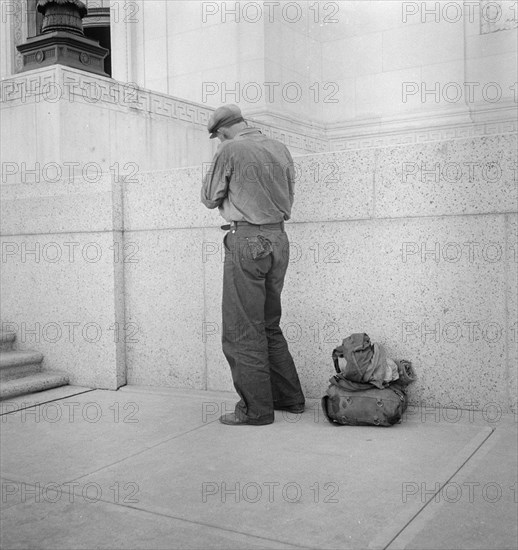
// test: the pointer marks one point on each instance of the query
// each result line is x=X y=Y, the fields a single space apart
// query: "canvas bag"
x=372 y=407
x=357 y=396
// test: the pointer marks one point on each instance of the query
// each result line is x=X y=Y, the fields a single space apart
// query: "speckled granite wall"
x=424 y=262
x=415 y=245
x=62 y=276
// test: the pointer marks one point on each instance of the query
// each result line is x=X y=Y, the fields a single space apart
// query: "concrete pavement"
x=153 y=468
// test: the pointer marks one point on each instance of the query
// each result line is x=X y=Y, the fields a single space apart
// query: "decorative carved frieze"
x=424 y=135
x=62 y=83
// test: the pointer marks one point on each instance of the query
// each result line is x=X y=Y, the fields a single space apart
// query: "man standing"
x=251 y=181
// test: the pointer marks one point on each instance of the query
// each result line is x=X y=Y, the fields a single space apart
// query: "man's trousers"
x=263 y=371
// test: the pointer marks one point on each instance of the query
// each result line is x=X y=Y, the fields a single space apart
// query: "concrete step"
x=16 y=364
x=7 y=340
x=32 y=383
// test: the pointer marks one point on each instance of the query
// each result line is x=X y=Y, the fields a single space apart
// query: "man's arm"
x=216 y=181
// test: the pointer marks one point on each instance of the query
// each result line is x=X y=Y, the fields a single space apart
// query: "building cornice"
x=58 y=82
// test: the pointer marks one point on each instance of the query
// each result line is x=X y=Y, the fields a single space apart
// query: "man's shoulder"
x=256 y=140
x=222 y=151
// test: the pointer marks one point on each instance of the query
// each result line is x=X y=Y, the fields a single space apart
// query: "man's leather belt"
x=278 y=225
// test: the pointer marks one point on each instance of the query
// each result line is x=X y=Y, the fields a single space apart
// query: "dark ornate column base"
x=65 y=48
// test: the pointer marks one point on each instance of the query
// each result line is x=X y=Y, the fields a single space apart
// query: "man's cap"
x=224 y=116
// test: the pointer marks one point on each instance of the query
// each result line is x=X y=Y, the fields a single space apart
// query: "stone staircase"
x=21 y=371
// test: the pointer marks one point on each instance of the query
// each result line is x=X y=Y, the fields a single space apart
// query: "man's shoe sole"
x=229 y=421
x=294 y=410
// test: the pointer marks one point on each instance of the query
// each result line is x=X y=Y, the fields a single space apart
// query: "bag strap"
x=323 y=402
x=337 y=352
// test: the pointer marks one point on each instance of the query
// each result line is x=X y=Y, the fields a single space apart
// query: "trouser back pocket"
x=258 y=247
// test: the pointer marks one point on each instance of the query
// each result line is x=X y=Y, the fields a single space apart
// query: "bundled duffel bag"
x=370 y=407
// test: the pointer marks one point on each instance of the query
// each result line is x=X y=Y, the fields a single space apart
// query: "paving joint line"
x=163 y=441
x=407 y=524
x=170 y=516
x=194 y=522
x=44 y=402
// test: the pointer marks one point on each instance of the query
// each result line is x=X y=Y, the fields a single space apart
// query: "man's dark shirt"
x=251 y=179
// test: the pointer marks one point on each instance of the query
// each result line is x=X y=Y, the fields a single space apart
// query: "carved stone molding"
x=424 y=135
x=59 y=83
x=70 y=85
